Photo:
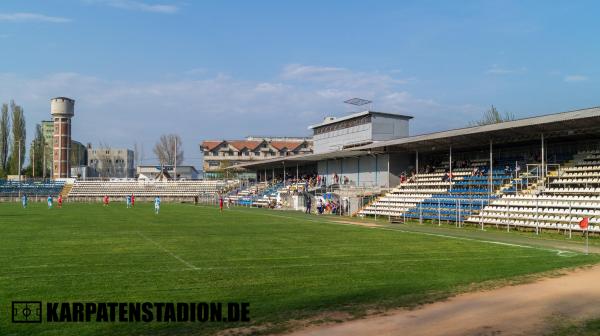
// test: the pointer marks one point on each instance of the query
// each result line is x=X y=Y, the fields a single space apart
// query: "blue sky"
x=226 y=69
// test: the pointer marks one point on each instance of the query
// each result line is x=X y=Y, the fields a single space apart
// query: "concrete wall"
x=400 y=163
x=367 y=170
x=385 y=128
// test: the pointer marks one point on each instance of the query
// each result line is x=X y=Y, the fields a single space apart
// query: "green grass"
x=287 y=265
x=584 y=328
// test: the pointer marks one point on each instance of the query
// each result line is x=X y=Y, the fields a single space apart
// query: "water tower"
x=62 y=110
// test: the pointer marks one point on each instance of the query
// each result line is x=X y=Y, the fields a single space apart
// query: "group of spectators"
x=323 y=207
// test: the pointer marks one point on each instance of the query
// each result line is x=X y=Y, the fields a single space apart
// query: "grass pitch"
x=287 y=265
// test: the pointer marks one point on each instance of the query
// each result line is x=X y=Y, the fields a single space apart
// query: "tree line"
x=13 y=136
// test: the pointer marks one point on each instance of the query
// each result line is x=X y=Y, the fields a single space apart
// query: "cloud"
x=139 y=6
x=575 y=78
x=496 y=70
x=31 y=17
x=218 y=106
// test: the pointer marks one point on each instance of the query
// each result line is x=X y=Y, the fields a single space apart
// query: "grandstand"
x=148 y=189
x=560 y=203
x=10 y=189
x=536 y=173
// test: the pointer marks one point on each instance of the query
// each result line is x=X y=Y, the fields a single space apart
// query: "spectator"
x=308 y=204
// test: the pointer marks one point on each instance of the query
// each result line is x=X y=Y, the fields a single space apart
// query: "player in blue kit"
x=157 y=205
x=24 y=200
x=50 y=200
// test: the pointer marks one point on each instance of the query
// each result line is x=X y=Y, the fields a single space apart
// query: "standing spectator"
x=308 y=204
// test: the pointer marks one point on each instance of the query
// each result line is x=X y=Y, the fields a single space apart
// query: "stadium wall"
x=362 y=171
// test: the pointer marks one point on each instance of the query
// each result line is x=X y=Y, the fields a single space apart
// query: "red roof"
x=250 y=144
x=290 y=145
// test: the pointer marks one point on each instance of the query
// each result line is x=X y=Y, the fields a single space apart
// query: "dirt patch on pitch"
x=524 y=309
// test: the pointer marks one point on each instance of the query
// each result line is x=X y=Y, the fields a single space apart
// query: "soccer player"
x=221 y=203
x=128 y=200
x=49 y=201
x=132 y=200
x=105 y=200
x=157 y=205
x=60 y=201
x=24 y=200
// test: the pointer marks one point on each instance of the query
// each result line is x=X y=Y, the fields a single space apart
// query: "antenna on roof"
x=359 y=102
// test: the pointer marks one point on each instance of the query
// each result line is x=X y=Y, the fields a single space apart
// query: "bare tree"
x=36 y=150
x=165 y=149
x=493 y=116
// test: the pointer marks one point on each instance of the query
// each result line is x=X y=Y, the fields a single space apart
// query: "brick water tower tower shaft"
x=62 y=110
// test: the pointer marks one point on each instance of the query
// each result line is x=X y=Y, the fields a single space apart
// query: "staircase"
x=66 y=190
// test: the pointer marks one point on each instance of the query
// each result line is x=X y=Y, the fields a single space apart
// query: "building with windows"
x=110 y=162
x=220 y=154
x=358 y=129
x=152 y=172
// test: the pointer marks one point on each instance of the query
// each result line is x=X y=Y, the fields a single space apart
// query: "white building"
x=111 y=162
x=358 y=129
x=153 y=171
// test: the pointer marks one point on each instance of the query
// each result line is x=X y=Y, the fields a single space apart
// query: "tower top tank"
x=62 y=106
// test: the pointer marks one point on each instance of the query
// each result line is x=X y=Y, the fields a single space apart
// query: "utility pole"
x=44 y=160
x=19 y=171
x=175 y=167
x=33 y=159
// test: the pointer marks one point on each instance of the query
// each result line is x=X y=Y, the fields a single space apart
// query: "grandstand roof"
x=300 y=160
x=559 y=124
x=565 y=123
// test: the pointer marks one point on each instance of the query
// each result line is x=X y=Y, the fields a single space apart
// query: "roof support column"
x=296 y=173
x=417 y=167
x=388 y=184
x=450 y=164
x=376 y=169
x=491 y=170
x=284 y=179
x=358 y=171
x=543 y=172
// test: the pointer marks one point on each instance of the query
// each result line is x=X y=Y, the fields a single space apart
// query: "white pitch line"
x=560 y=253
x=189 y=265
x=235 y=267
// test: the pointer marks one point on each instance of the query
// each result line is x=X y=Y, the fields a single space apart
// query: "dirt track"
x=524 y=309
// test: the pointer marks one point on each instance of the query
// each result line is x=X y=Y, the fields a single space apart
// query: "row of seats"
x=148 y=188
x=556 y=206
x=30 y=188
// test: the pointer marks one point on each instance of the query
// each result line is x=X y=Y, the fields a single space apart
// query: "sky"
x=227 y=69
